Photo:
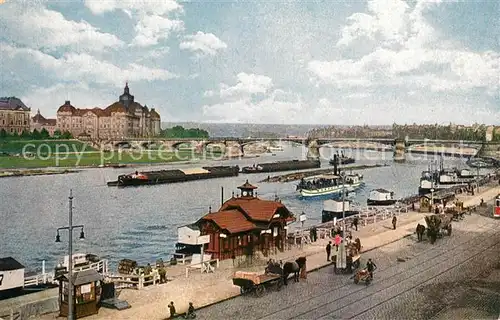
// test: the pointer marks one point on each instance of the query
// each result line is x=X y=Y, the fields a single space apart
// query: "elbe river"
x=140 y=223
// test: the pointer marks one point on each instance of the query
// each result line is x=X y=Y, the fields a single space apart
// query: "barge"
x=173 y=176
x=282 y=166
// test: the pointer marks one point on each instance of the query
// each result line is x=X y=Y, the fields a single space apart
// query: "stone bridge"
x=235 y=147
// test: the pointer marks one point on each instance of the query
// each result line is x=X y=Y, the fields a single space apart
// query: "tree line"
x=180 y=132
x=35 y=135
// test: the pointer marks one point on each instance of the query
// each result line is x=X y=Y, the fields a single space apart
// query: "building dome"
x=116 y=107
x=66 y=107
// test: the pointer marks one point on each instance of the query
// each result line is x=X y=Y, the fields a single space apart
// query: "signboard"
x=302 y=217
x=203 y=239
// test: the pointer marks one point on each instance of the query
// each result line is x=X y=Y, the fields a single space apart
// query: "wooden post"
x=141 y=282
x=187 y=272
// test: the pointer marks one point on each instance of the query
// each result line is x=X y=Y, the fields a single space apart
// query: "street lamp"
x=70 y=228
x=342 y=175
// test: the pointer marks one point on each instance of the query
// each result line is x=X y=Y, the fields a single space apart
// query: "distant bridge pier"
x=234 y=149
x=399 y=150
x=313 y=150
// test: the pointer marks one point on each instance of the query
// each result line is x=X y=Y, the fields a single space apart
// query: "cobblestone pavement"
x=431 y=283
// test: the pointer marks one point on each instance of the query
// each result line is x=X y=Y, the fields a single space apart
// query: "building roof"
x=66 y=107
x=255 y=208
x=382 y=190
x=231 y=220
x=9 y=263
x=12 y=103
x=247 y=186
x=38 y=118
x=84 y=277
x=154 y=114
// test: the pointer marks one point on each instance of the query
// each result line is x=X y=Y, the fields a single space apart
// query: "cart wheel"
x=259 y=290
x=242 y=290
x=337 y=270
x=279 y=285
x=356 y=280
x=367 y=282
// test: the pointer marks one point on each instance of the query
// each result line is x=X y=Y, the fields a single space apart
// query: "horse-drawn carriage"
x=436 y=223
x=253 y=282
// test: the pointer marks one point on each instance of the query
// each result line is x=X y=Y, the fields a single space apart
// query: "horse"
x=420 y=231
x=289 y=268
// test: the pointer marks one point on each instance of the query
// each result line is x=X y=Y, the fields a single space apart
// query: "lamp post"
x=342 y=174
x=70 y=228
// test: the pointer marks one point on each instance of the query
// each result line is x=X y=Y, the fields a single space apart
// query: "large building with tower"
x=124 y=118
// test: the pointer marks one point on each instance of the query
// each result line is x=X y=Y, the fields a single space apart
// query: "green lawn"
x=96 y=159
x=44 y=146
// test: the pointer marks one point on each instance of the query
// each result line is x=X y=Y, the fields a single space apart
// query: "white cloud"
x=409 y=53
x=154 y=7
x=203 y=43
x=153 y=23
x=247 y=84
x=272 y=109
x=80 y=67
x=50 y=30
x=80 y=95
x=151 y=29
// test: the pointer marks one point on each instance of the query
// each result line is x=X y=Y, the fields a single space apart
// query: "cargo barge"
x=282 y=166
x=173 y=176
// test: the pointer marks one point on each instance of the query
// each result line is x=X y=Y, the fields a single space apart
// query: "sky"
x=284 y=62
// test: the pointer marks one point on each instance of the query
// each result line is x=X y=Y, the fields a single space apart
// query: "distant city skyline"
x=353 y=63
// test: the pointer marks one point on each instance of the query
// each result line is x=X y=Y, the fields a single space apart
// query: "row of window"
x=15 y=123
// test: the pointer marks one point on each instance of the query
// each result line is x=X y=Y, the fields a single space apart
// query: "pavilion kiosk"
x=86 y=293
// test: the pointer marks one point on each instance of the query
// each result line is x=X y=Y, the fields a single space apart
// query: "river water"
x=141 y=223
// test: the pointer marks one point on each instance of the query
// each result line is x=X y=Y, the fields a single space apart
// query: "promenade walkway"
x=206 y=289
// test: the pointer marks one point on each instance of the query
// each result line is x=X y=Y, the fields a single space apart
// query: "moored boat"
x=380 y=197
x=324 y=185
x=335 y=210
x=282 y=166
x=173 y=176
x=443 y=178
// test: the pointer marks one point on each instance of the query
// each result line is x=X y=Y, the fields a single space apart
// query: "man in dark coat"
x=328 y=250
x=394 y=221
x=171 y=308
x=355 y=222
x=371 y=266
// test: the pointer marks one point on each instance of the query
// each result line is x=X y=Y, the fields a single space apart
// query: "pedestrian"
x=355 y=222
x=338 y=239
x=371 y=266
x=328 y=250
x=394 y=221
x=171 y=308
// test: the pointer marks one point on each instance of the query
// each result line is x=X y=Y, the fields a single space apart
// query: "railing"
x=182 y=258
x=205 y=266
x=134 y=281
x=49 y=277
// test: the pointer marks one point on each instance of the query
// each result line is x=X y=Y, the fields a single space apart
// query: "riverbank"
x=36 y=172
x=305 y=174
x=209 y=289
